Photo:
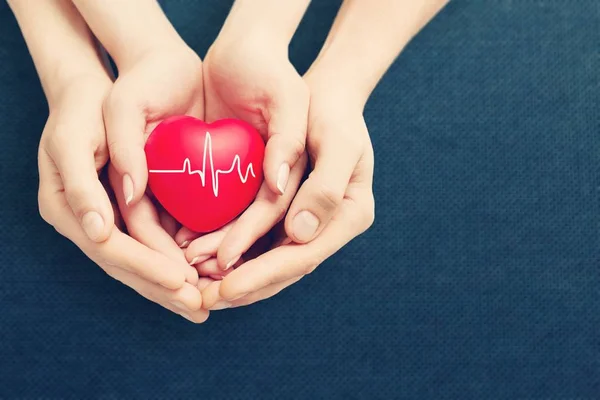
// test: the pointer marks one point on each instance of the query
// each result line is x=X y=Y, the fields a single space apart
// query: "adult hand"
x=72 y=199
x=336 y=202
x=338 y=194
x=159 y=76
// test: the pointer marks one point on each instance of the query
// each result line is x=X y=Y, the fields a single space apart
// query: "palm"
x=245 y=86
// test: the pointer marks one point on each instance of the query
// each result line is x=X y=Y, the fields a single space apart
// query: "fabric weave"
x=479 y=280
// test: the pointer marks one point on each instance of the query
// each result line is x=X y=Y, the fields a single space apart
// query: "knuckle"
x=310 y=267
x=59 y=139
x=118 y=153
x=370 y=210
x=368 y=218
x=296 y=145
x=44 y=207
x=77 y=196
x=328 y=198
x=116 y=99
x=366 y=215
x=198 y=318
x=279 y=211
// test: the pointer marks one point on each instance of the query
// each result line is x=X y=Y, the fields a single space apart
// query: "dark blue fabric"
x=479 y=279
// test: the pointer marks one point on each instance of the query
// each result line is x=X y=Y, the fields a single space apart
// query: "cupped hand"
x=160 y=83
x=248 y=80
x=335 y=204
x=72 y=151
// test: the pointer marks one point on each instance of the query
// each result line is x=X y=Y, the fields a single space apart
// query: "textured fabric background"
x=480 y=278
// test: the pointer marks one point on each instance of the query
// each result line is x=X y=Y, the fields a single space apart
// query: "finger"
x=197 y=317
x=186 y=301
x=84 y=192
x=206 y=246
x=323 y=191
x=211 y=269
x=264 y=213
x=119 y=250
x=286 y=136
x=293 y=260
x=264 y=293
x=168 y=223
x=203 y=283
x=143 y=224
x=125 y=126
x=211 y=298
x=184 y=236
x=187 y=298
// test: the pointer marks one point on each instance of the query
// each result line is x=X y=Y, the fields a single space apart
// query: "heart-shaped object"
x=204 y=175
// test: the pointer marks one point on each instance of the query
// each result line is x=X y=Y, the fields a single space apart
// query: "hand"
x=338 y=193
x=255 y=82
x=72 y=199
x=162 y=82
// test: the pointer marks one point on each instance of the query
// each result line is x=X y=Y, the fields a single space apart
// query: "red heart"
x=203 y=174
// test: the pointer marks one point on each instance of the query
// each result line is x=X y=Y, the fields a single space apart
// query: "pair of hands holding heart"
x=289 y=229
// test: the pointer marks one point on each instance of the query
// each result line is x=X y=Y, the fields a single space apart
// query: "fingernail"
x=233 y=261
x=185 y=243
x=186 y=316
x=92 y=224
x=179 y=305
x=282 y=177
x=305 y=225
x=220 y=305
x=194 y=260
x=216 y=277
x=127 y=188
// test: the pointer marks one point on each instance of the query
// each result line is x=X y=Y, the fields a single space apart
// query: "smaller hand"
x=334 y=205
x=162 y=82
x=73 y=200
x=252 y=81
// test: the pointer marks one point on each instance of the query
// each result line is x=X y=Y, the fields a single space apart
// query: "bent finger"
x=75 y=161
x=264 y=213
x=125 y=125
x=143 y=224
x=322 y=193
x=287 y=136
x=293 y=260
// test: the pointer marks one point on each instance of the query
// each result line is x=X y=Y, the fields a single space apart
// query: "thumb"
x=286 y=137
x=84 y=192
x=322 y=193
x=125 y=124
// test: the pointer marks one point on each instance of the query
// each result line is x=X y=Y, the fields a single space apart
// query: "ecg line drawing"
x=187 y=168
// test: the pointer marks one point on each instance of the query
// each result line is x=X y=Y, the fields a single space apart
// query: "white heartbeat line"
x=187 y=168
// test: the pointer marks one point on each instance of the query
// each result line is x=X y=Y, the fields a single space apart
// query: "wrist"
x=129 y=30
x=268 y=22
x=262 y=40
x=65 y=80
x=337 y=88
x=126 y=56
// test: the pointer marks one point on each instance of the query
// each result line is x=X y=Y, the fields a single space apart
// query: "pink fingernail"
x=282 y=177
x=305 y=225
x=127 y=188
x=233 y=261
x=93 y=225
